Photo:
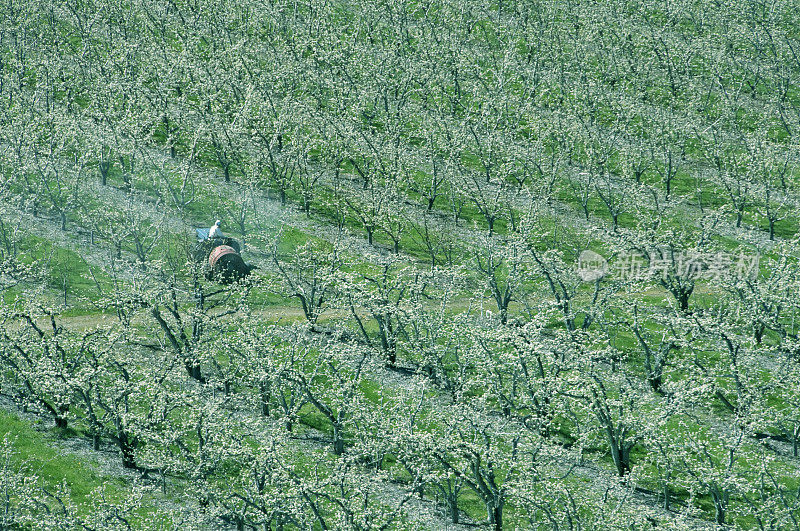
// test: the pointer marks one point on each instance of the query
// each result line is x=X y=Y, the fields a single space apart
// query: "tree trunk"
x=719 y=497
x=127 y=447
x=683 y=300
x=655 y=382
x=104 y=167
x=338 y=441
x=495 y=510
x=452 y=507
x=194 y=372
x=620 y=453
x=264 y=401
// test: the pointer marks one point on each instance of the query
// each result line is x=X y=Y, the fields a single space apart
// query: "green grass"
x=34 y=451
x=311 y=417
x=67 y=270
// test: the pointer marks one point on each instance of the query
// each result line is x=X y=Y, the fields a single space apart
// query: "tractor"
x=223 y=263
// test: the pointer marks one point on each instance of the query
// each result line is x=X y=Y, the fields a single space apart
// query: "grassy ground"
x=34 y=451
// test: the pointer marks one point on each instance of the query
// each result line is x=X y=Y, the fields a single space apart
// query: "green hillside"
x=501 y=265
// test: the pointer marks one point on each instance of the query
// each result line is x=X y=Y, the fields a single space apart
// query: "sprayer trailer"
x=221 y=258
